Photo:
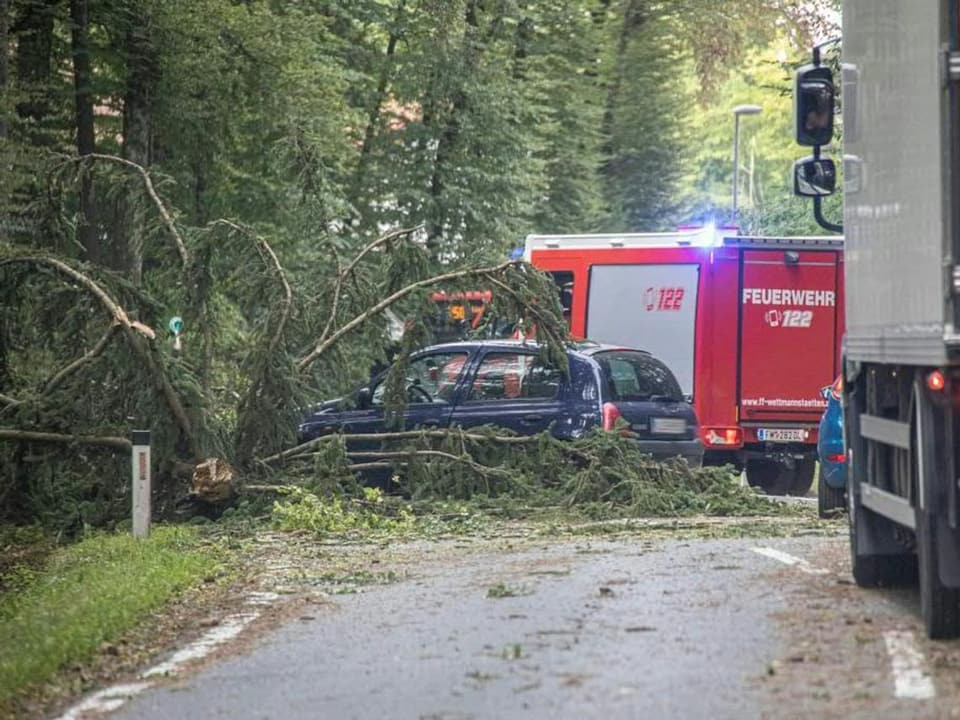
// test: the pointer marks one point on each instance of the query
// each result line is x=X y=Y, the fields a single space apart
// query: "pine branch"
x=117 y=313
x=324 y=344
x=134 y=331
x=303 y=449
x=347 y=272
x=152 y=192
x=32 y=436
x=68 y=370
x=265 y=248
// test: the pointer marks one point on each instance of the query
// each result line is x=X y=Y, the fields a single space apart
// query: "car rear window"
x=636 y=376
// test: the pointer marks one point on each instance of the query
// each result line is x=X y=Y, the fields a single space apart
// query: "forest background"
x=274 y=172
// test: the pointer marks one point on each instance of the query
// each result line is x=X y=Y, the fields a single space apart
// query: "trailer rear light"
x=610 y=414
x=726 y=437
x=935 y=381
x=837 y=458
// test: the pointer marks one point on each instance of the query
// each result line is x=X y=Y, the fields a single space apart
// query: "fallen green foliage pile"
x=600 y=475
x=88 y=594
x=305 y=510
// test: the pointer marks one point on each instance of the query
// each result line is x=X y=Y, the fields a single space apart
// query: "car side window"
x=514 y=376
x=430 y=378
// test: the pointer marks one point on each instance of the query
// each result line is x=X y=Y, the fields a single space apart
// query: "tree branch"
x=346 y=272
x=134 y=331
x=11 y=402
x=97 y=349
x=301 y=450
x=31 y=436
x=265 y=248
x=324 y=345
x=151 y=191
x=117 y=313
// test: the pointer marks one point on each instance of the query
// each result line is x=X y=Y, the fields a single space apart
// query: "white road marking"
x=911 y=680
x=106 y=700
x=115 y=696
x=791 y=560
x=231 y=626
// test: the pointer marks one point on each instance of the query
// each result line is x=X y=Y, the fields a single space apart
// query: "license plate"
x=782 y=435
x=668 y=426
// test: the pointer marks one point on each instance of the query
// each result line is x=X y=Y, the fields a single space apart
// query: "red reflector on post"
x=610 y=414
x=723 y=436
x=935 y=381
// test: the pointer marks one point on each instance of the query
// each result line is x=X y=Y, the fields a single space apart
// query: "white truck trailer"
x=898 y=84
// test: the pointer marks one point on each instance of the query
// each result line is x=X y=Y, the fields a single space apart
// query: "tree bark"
x=4 y=66
x=30 y=436
x=34 y=31
x=87 y=229
x=142 y=76
x=449 y=136
x=376 y=107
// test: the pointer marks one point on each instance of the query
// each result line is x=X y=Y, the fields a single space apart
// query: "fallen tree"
x=84 y=351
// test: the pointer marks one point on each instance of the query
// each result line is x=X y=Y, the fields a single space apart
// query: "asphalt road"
x=631 y=628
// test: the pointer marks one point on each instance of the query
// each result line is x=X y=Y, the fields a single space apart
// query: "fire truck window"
x=564 y=281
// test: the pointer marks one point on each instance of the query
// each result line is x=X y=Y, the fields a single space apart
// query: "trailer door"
x=788 y=333
x=647 y=307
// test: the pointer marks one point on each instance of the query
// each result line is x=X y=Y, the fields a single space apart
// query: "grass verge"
x=88 y=594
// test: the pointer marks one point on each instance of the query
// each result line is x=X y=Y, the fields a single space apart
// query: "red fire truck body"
x=751 y=327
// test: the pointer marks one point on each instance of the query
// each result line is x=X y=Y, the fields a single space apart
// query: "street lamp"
x=737 y=112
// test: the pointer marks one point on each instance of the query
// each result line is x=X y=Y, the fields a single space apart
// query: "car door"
x=513 y=389
x=431 y=380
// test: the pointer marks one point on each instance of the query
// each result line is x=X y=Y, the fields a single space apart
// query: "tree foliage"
x=293 y=179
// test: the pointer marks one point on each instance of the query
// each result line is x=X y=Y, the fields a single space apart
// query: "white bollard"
x=141 y=483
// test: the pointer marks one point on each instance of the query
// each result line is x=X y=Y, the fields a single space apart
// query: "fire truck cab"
x=750 y=326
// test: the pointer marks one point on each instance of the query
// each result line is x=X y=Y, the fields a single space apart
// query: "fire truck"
x=750 y=326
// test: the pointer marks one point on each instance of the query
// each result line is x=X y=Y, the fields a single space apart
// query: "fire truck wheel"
x=770 y=476
x=802 y=477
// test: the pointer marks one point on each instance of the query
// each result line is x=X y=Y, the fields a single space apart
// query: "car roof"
x=583 y=347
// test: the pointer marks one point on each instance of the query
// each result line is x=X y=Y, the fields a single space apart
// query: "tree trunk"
x=4 y=72
x=142 y=76
x=34 y=31
x=87 y=229
x=373 y=115
x=633 y=19
x=449 y=136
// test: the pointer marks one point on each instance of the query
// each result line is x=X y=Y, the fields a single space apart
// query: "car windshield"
x=636 y=376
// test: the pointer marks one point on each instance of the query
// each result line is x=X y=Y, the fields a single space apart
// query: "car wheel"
x=769 y=476
x=801 y=477
x=830 y=500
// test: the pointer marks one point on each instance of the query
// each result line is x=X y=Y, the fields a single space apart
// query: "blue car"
x=506 y=383
x=832 y=485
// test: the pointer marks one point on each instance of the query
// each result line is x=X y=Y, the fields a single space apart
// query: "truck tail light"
x=935 y=381
x=837 y=458
x=610 y=414
x=723 y=437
